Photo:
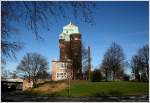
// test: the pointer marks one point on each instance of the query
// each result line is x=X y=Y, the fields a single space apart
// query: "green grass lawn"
x=118 y=88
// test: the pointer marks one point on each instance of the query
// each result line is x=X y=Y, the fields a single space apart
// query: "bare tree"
x=13 y=74
x=96 y=76
x=38 y=16
x=140 y=65
x=8 y=46
x=113 y=62
x=4 y=73
x=43 y=75
x=144 y=54
x=31 y=65
x=106 y=69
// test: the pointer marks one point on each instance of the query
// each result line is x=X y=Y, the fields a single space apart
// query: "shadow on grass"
x=115 y=93
x=55 y=94
x=111 y=93
x=101 y=94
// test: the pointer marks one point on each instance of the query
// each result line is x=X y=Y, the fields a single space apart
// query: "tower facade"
x=70 y=48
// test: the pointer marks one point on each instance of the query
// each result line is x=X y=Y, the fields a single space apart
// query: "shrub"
x=126 y=77
x=96 y=76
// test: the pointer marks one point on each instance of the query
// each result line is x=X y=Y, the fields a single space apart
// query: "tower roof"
x=70 y=25
x=68 y=30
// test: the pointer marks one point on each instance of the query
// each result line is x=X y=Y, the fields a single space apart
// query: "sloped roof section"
x=68 y=30
x=13 y=80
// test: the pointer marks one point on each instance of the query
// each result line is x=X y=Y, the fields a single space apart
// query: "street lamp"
x=140 y=75
x=69 y=74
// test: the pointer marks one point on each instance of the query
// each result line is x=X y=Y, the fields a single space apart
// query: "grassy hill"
x=81 y=88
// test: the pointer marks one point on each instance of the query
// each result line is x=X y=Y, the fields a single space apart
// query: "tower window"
x=76 y=39
x=62 y=65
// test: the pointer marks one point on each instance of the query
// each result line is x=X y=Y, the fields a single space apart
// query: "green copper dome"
x=68 y=30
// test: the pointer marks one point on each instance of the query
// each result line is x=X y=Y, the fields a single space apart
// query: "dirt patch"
x=50 y=87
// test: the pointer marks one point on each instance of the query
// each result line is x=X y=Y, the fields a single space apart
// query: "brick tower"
x=70 y=48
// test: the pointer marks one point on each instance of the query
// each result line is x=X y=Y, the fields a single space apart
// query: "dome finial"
x=70 y=22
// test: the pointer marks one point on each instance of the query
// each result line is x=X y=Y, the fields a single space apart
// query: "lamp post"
x=69 y=74
x=69 y=83
x=140 y=75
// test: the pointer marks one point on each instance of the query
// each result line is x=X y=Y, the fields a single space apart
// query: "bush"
x=96 y=76
x=126 y=77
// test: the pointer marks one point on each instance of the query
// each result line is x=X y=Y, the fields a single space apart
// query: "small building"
x=59 y=70
x=11 y=84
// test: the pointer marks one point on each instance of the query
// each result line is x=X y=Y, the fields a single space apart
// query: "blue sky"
x=126 y=23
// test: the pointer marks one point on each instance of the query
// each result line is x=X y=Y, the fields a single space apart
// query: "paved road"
x=23 y=98
x=73 y=99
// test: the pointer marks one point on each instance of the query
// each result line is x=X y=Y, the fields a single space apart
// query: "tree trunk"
x=106 y=76
x=114 y=75
x=147 y=73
